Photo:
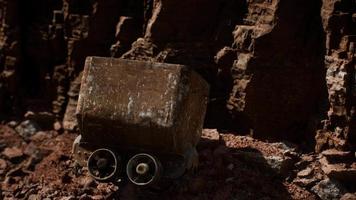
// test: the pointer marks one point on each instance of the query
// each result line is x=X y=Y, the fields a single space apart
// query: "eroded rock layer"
x=278 y=69
x=339 y=22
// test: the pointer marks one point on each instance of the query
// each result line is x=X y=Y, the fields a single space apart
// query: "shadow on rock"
x=223 y=173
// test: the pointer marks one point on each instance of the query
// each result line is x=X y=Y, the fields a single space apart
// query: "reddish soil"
x=46 y=170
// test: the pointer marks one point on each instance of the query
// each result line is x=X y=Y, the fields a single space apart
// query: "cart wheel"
x=143 y=169
x=103 y=164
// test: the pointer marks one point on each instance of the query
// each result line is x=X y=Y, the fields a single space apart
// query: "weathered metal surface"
x=141 y=105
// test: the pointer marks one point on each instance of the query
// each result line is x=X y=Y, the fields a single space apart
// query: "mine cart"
x=139 y=119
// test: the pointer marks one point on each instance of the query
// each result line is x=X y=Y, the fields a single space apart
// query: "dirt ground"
x=40 y=167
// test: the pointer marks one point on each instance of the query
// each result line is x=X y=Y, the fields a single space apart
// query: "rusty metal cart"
x=142 y=119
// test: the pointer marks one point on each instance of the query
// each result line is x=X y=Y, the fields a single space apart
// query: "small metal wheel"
x=143 y=169
x=103 y=164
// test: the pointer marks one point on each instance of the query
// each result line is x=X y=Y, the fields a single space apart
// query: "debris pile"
x=40 y=166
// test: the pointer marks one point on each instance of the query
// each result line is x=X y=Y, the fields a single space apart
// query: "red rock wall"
x=275 y=66
x=339 y=22
x=279 y=79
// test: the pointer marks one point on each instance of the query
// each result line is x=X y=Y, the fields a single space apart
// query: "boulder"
x=13 y=153
x=27 y=129
x=305 y=172
x=328 y=190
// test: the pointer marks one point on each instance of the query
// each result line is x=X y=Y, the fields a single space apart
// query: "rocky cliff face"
x=278 y=69
x=339 y=22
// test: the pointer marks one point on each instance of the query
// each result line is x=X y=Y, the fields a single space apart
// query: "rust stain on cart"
x=143 y=106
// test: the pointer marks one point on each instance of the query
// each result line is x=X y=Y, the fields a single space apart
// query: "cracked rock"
x=340 y=171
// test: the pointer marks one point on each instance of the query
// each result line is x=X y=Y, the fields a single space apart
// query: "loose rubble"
x=229 y=167
x=278 y=69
